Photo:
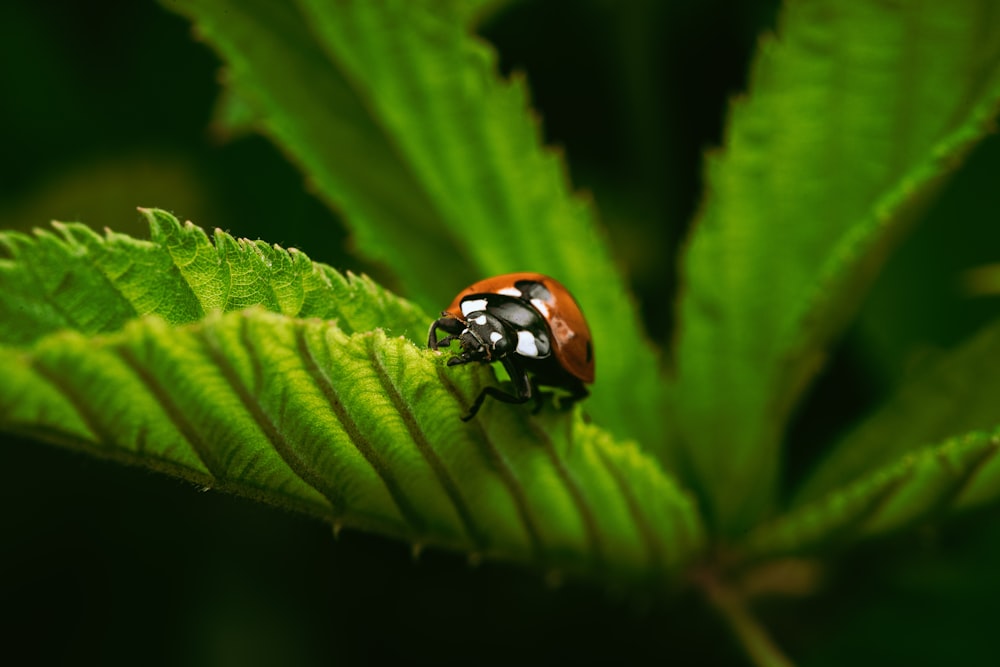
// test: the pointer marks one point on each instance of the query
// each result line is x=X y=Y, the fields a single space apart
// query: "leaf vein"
x=104 y=443
x=852 y=531
x=962 y=482
x=594 y=540
x=353 y=432
x=423 y=445
x=495 y=460
x=102 y=435
x=645 y=530
x=269 y=429
x=173 y=412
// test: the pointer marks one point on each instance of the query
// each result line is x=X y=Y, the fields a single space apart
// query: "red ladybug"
x=528 y=322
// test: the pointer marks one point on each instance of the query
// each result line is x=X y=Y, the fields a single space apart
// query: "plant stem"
x=751 y=634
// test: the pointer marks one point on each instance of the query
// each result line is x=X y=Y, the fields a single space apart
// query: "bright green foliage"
x=935 y=404
x=82 y=281
x=245 y=367
x=854 y=112
x=312 y=406
x=959 y=474
x=359 y=429
x=399 y=117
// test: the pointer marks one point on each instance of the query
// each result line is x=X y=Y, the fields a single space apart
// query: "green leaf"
x=961 y=473
x=95 y=284
x=310 y=110
x=122 y=349
x=397 y=114
x=233 y=117
x=856 y=112
x=955 y=394
x=361 y=430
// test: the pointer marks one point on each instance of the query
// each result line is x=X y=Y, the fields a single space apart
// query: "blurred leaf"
x=958 y=474
x=982 y=280
x=311 y=112
x=233 y=117
x=955 y=394
x=398 y=116
x=921 y=303
x=855 y=113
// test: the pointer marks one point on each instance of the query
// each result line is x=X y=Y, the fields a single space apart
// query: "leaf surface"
x=855 y=113
x=361 y=430
x=244 y=367
x=77 y=279
x=397 y=114
x=960 y=473
x=956 y=393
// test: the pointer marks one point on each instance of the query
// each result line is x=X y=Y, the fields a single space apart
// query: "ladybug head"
x=485 y=338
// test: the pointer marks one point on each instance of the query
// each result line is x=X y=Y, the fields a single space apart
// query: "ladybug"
x=528 y=322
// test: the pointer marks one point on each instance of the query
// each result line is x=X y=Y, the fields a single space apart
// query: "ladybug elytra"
x=528 y=322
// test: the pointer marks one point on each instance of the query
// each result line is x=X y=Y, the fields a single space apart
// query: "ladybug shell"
x=572 y=344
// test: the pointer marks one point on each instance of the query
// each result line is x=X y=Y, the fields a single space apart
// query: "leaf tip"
x=225 y=242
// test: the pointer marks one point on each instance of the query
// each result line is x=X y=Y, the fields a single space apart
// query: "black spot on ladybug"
x=515 y=311
x=532 y=289
x=590 y=352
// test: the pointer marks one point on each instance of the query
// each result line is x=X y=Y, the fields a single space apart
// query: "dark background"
x=108 y=106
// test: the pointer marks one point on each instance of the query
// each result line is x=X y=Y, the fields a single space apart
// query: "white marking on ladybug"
x=526 y=346
x=510 y=291
x=541 y=307
x=473 y=306
x=481 y=320
x=495 y=336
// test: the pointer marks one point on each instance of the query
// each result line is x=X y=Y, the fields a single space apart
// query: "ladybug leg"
x=522 y=389
x=519 y=377
x=452 y=325
x=560 y=400
x=578 y=395
x=578 y=392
